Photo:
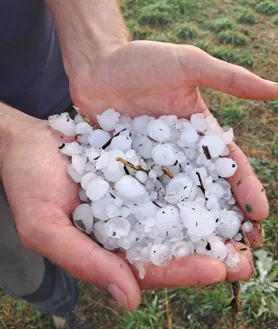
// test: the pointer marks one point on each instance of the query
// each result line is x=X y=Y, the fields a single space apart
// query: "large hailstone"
x=97 y=188
x=99 y=208
x=83 y=218
x=160 y=254
x=197 y=219
x=225 y=167
x=181 y=188
x=98 y=137
x=167 y=221
x=229 y=224
x=129 y=188
x=215 y=145
x=164 y=154
x=117 y=227
x=62 y=123
x=108 y=119
x=159 y=130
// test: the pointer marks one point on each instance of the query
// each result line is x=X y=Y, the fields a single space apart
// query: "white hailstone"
x=247 y=227
x=189 y=135
x=225 y=167
x=122 y=143
x=140 y=123
x=141 y=176
x=215 y=145
x=83 y=218
x=74 y=174
x=126 y=120
x=126 y=242
x=103 y=161
x=78 y=163
x=229 y=224
x=99 y=208
x=71 y=148
x=82 y=195
x=214 y=189
x=171 y=120
x=167 y=221
x=144 y=147
x=112 y=211
x=182 y=248
x=130 y=153
x=108 y=119
x=78 y=118
x=180 y=188
x=232 y=258
x=199 y=122
x=212 y=203
x=145 y=210
x=114 y=171
x=202 y=172
x=153 y=195
x=83 y=128
x=238 y=237
x=228 y=136
x=124 y=212
x=232 y=201
x=152 y=174
x=191 y=153
x=103 y=238
x=97 y=188
x=114 y=154
x=226 y=151
x=85 y=180
x=118 y=202
x=62 y=123
x=118 y=128
x=160 y=254
x=216 y=248
x=98 y=138
x=129 y=188
x=197 y=219
x=164 y=154
x=159 y=130
x=92 y=154
x=117 y=227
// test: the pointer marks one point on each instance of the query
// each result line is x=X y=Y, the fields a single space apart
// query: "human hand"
x=153 y=78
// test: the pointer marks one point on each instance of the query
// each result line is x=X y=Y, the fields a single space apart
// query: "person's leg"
x=28 y=276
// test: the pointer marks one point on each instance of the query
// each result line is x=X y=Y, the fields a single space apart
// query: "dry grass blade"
x=131 y=165
x=236 y=303
x=167 y=171
x=168 y=314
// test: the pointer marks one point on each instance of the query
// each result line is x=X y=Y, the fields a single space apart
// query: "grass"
x=233 y=38
x=204 y=24
x=267 y=8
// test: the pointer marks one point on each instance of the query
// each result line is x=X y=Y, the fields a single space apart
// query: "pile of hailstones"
x=154 y=188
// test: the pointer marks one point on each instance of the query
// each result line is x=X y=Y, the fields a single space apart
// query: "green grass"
x=230 y=115
x=246 y=16
x=233 y=38
x=220 y=24
x=267 y=8
x=185 y=32
x=225 y=53
x=156 y=14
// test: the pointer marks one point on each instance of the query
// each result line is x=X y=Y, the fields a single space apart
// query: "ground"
x=243 y=32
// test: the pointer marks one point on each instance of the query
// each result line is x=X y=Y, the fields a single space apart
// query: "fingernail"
x=119 y=295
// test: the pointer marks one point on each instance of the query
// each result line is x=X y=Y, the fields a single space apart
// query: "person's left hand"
x=143 y=77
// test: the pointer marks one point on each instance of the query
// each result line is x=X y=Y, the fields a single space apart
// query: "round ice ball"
x=182 y=248
x=229 y=224
x=97 y=188
x=129 y=188
x=83 y=218
x=247 y=227
x=180 y=188
x=216 y=248
x=197 y=219
x=164 y=154
x=167 y=221
x=62 y=123
x=160 y=254
x=122 y=143
x=99 y=208
x=98 y=137
x=215 y=145
x=225 y=167
x=117 y=227
x=108 y=119
x=159 y=130
x=199 y=122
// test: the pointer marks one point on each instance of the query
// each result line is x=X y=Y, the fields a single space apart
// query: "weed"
x=136 y=30
x=220 y=24
x=185 y=31
x=204 y=45
x=274 y=105
x=275 y=22
x=156 y=14
x=224 y=53
x=246 y=16
x=158 y=37
x=229 y=115
x=233 y=38
x=245 y=60
x=267 y=8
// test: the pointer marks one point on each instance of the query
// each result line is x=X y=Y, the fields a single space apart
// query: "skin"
x=106 y=70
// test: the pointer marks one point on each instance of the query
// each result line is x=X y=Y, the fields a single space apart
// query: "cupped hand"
x=144 y=77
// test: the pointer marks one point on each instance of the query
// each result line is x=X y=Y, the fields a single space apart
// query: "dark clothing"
x=32 y=77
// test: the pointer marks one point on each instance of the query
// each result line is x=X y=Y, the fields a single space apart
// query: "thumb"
x=210 y=72
x=71 y=249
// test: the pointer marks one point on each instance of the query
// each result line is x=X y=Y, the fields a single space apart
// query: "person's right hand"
x=42 y=197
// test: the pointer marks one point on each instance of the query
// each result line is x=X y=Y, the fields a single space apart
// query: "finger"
x=71 y=249
x=243 y=271
x=192 y=270
x=257 y=236
x=232 y=79
x=247 y=188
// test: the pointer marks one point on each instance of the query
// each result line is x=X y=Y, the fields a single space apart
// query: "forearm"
x=88 y=29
